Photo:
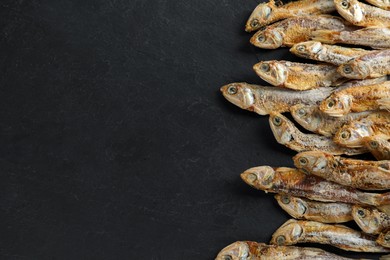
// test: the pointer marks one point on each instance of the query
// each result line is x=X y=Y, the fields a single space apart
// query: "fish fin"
x=384 y=257
x=385 y=209
x=384 y=103
x=325 y=36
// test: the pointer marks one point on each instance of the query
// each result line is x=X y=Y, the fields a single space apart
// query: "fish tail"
x=384 y=103
x=325 y=36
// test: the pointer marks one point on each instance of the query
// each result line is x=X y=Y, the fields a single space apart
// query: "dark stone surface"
x=115 y=140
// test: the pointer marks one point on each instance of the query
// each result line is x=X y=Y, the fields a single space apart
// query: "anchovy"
x=384 y=239
x=379 y=146
x=370 y=219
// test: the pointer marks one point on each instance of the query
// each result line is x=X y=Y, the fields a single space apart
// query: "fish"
x=370 y=219
x=287 y=134
x=376 y=38
x=284 y=180
x=243 y=250
x=371 y=65
x=384 y=4
x=332 y=54
x=340 y=236
x=298 y=76
x=378 y=145
x=263 y=100
x=296 y=29
x=267 y=13
x=360 y=174
x=384 y=239
x=313 y=119
x=356 y=99
x=352 y=133
x=325 y=212
x=361 y=14
x=362 y=82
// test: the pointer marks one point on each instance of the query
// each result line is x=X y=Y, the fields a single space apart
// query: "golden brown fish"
x=361 y=174
x=291 y=181
x=356 y=99
x=298 y=76
x=333 y=54
x=379 y=146
x=248 y=250
x=371 y=65
x=296 y=29
x=288 y=134
x=370 y=219
x=325 y=212
x=302 y=231
x=264 y=100
x=267 y=13
x=376 y=38
x=384 y=4
x=384 y=239
x=361 y=14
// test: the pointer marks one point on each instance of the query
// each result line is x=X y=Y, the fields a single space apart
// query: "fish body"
x=264 y=100
x=325 y=212
x=360 y=174
x=298 y=76
x=371 y=65
x=302 y=231
x=378 y=145
x=352 y=134
x=296 y=29
x=243 y=250
x=384 y=239
x=356 y=99
x=376 y=38
x=313 y=119
x=332 y=54
x=361 y=14
x=288 y=134
x=362 y=82
x=291 y=181
x=370 y=219
x=384 y=4
x=267 y=13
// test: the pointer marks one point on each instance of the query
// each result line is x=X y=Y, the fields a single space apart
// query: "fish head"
x=350 y=10
x=273 y=72
x=314 y=161
x=236 y=251
x=260 y=17
x=288 y=234
x=354 y=70
x=240 y=94
x=268 y=38
x=294 y=206
x=351 y=135
x=281 y=127
x=260 y=177
x=307 y=116
x=306 y=49
x=367 y=218
x=384 y=239
x=336 y=105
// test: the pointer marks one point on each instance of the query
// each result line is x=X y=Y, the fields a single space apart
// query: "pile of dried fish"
x=344 y=101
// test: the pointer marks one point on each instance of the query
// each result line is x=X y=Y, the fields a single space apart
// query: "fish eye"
x=285 y=199
x=303 y=160
x=345 y=4
x=301 y=112
x=261 y=38
x=374 y=144
x=277 y=121
x=331 y=103
x=361 y=213
x=255 y=23
x=280 y=240
x=301 y=48
x=264 y=67
x=345 y=134
x=232 y=90
x=227 y=257
x=347 y=69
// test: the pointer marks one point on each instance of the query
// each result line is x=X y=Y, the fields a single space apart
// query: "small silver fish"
x=325 y=212
x=264 y=100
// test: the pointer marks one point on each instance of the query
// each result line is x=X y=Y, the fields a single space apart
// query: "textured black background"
x=115 y=140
